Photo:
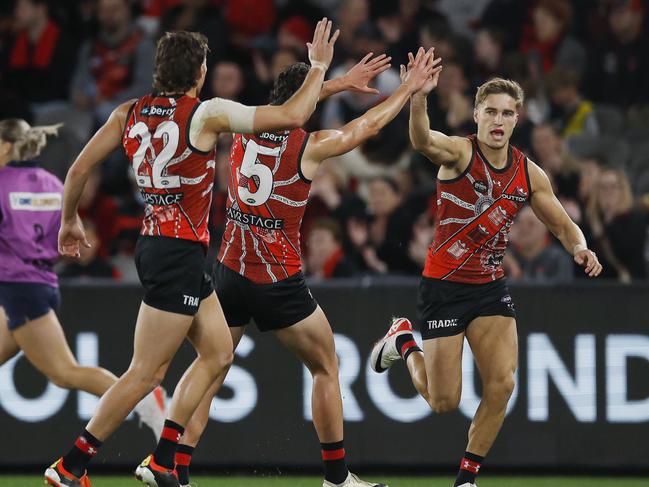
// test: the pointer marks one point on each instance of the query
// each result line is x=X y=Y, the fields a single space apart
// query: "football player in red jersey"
x=170 y=138
x=258 y=272
x=482 y=183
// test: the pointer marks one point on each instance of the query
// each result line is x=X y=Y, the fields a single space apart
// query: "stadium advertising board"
x=581 y=400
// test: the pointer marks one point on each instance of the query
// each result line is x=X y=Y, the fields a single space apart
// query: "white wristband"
x=318 y=64
x=578 y=248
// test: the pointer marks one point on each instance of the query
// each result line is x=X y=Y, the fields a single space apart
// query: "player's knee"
x=145 y=376
x=222 y=361
x=323 y=364
x=444 y=403
x=500 y=389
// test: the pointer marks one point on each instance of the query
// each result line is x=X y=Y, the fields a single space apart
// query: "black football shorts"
x=446 y=308
x=172 y=272
x=272 y=306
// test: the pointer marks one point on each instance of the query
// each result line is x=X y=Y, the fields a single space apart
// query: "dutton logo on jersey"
x=520 y=196
x=157 y=111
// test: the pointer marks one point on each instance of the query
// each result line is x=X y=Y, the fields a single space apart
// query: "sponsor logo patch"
x=24 y=201
x=157 y=111
x=435 y=324
x=156 y=199
x=480 y=187
x=255 y=220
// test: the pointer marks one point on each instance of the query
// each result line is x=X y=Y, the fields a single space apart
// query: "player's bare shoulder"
x=121 y=113
x=458 y=159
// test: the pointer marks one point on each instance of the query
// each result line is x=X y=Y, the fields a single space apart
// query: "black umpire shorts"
x=172 y=272
x=26 y=301
x=272 y=306
x=446 y=308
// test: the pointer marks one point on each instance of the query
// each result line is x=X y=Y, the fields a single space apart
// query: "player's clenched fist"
x=321 y=49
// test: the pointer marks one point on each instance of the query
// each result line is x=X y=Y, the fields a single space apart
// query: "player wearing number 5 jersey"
x=170 y=138
x=482 y=184
x=258 y=274
x=30 y=214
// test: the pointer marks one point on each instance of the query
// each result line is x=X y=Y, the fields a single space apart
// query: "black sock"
x=76 y=460
x=166 y=451
x=406 y=344
x=333 y=459
x=469 y=468
x=183 y=459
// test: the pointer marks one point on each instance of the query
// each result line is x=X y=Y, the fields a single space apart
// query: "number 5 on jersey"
x=261 y=175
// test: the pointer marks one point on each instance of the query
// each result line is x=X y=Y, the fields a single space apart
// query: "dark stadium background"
x=582 y=402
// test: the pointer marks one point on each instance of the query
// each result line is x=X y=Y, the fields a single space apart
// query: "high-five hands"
x=321 y=48
x=359 y=76
x=426 y=61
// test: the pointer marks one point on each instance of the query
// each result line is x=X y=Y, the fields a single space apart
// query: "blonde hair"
x=626 y=198
x=28 y=142
x=496 y=86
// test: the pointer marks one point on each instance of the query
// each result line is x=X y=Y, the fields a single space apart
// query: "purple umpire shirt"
x=30 y=216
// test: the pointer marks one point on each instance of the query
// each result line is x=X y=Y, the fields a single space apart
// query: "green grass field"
x=104 y=481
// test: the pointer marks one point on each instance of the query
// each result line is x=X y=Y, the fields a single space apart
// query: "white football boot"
x=467 y=484
x=385 y=352
x=352 y=480
x=152 y=410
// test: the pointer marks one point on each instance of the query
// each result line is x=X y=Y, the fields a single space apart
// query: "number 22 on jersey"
x=169 y=133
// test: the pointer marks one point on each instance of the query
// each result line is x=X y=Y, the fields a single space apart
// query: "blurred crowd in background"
x=584 y=66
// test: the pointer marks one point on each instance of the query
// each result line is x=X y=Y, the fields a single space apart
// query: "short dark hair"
x=179 y=55
x=330 y=225
x=288 y=82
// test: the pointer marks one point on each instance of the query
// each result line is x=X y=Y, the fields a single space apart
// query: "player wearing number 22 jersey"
x=175 y=178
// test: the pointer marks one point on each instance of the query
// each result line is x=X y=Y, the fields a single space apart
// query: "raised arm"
x=105 y=141
x=216 y=116
x=548 y=209
x=436 y=146
x=329 y=143
x=358 y=77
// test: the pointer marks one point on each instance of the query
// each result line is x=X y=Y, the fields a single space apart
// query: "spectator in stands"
x=294 y=33
x=352 y=14
x=390 y=227
x=619 y=229
x=620 y=65
x=551 y=154
x=488 y=51
x=40 y=59
x=437 y=33
x=547 y=39
x=101 y=211
x=227 y=80
x=115 y=65
x=535 y=257
x=326 y=258
x=193 y=15
x=423 y=231
x=574 y=114
x=451 y=110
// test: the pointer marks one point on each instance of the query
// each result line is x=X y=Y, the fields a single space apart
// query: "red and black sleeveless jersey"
x=475 y=212
x=175 y=178
x=267 y=196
